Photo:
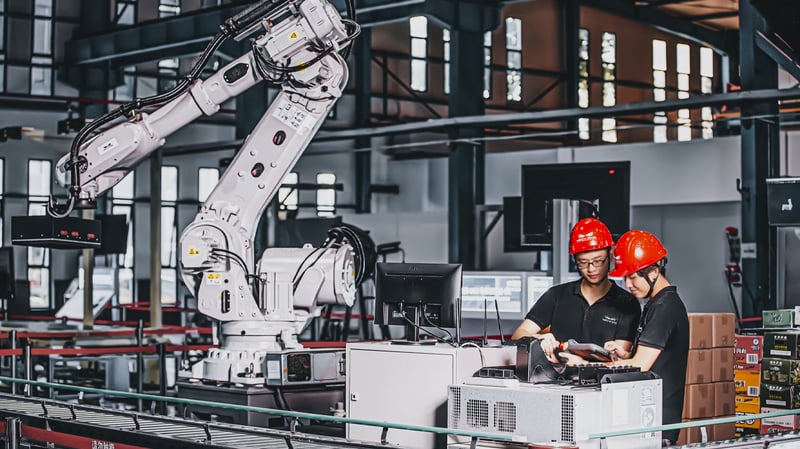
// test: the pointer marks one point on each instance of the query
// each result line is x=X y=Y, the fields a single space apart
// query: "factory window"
x=126 y=12
x=446 y=56
x=583 y=82
x=122 y=204
x=169 y=234
x=608 y=56
x=207 y=179
x=487 y=65
x=706 y=87
x=39 y=258
x=287 y=196
x=326 y=198
x=168 y=8
x=659 y=89
x=513 y=59
x=683 y=67
x=419 y=53
x=167 y=74
x=125 y=91
x=41 y=74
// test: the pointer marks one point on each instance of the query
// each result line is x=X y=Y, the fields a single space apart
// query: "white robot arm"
x=262 y=308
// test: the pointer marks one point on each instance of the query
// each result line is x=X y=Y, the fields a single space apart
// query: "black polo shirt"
x=665 y=326
x=612 y=317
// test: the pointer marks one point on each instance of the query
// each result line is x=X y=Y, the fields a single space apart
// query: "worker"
x=662 y=340
x=592 y=309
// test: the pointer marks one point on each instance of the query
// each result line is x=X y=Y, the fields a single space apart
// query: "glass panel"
x=419 y=81
x=37 y=256
x=683 y=82
x=447 y=78
x=705 y=114
x=706 y=85
x=168 y=232
x=43 y=8
x=583 y=44
x=127 y=13
x=706 y=62
x=287 y=196
x=683 y=94
x=684 y=133
x=683 y=114
x=583 y=93
x=419 y=48
x=659 y=55
x=169 y=183
x=609 y=130
x=2 y=178
x=169 y=286
x=583 y=129
x=659 y=94
x=513 y=33
x=39 y=279
x=583 y=69
x=446 y=35
x=609 y=72
x=659 y=78
x=487 y=83
x=126 y=260
x=39 y=178
x=660 y=134
x=41 y=81
x=514 y=60
x=609 y=94
x=124 y=189
x=609 y=48
x=326 y=198
x=125 y=285
x=418 y=26
x=514 y=82
x=683 y=62
x=42 y=36
x=207 y=179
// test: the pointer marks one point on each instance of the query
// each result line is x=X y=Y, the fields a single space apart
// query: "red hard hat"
x=589 y=234
x=636 y=250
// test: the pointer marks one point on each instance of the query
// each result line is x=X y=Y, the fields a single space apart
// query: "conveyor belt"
x=128 y=429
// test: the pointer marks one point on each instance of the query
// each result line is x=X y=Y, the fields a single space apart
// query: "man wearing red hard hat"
x=662 y=340
x=592 y=309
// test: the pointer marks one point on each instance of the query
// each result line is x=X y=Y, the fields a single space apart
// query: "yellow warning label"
x=214 y=276
x=294 y=35
x=194 y=251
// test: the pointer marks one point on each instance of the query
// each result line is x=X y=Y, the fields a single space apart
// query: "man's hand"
x=617 y=349
x=548 y=344
x=571 y=359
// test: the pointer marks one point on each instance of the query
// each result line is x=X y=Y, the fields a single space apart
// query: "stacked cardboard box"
x=780 y=380
x=710 y=389
x=748 y=353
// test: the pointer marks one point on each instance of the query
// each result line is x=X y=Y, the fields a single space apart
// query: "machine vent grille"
x=455 y=407
x=567 y=418
x=477 y=413
x=505 y=416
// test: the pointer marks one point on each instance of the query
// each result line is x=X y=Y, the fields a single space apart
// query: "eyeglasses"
x=584 y=264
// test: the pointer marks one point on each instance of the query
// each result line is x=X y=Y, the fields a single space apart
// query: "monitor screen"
x=7 y=273
x=536 y=286
x=606 y=185
x=482 y=289
x=418 y=295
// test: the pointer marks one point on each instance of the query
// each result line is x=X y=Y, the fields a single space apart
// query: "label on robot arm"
x=214 y=279
x=292 y=116
x=273 y=369
x=108 y=146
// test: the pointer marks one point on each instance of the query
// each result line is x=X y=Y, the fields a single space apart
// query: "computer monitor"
x=605 y=185
x=418 y=295
x=483 y=289
x=535 y=287
x=7 y=289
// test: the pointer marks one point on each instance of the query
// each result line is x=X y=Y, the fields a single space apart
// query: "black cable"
x=299 y=267
x=234 y=256
x=296 y=282
x=449 y=335
x=733 y=300
x=403 y=314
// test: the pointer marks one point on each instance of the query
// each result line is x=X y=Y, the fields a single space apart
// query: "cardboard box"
x=748 y=406
x=778 y=318
x=721 y=364
x=722 y=330
x=693 y=434
x=747 y=382
x=782 y=344
x=700 y=331
x=776 y=424
x=699 y=366
x=698 y=401
x=720 y=432
x=780 y=371
x=748 y=349
x=724 y=399
x=780 y=396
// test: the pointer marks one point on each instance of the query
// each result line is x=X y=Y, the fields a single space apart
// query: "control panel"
x=305 y=366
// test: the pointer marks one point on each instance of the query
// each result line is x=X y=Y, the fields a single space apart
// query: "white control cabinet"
x=408 y=384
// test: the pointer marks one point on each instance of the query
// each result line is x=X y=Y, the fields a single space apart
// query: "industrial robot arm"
x=262 y=307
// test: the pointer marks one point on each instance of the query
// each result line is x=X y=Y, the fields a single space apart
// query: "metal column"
x=571 y=10
x=466 y=159
x=363 y=76
x=760 y=160
x=155 y=239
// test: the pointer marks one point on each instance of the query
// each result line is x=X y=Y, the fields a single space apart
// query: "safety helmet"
x=589 y=234
x=635 y=251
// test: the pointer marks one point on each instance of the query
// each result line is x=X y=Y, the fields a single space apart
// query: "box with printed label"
x=780 y=396
x=722 y=330
x=747 y=382
x=782 y=344
x=700 y=434
x=699 y=366
x=721 y=364
x=748 y=349
x=780 y=371
x=700 y=330
x=778 y=318
x=748 y=406
x=776 y=424
x=724 y=394
x=698 y=401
